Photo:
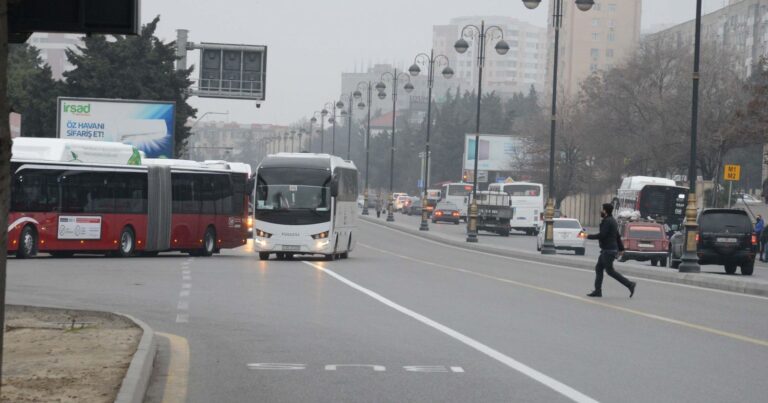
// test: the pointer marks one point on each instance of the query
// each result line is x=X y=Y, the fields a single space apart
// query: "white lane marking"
x=277 y=366
x=186 y=278
x=457 y=369
x=184 y=293
x=186 y=272
x=183 y=305
x=22 y=220
x=557 y=266
x=376 y=368
x=186 y=286
x=546 y=380
x=182 y=318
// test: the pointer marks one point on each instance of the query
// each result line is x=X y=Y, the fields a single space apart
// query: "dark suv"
x=725 y=238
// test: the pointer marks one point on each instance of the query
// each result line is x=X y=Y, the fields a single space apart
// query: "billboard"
x=232 y=71
x=146 y=125
x=495 y=152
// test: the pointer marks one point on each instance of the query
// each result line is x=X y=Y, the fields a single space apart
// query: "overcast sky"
x=312 y=41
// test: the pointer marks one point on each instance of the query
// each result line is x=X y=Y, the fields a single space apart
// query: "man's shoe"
x=632 y=289
x=595 y=294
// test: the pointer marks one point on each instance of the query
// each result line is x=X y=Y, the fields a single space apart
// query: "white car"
x=568 y=234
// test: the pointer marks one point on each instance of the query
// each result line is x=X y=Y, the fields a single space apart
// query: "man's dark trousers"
x=605 y=263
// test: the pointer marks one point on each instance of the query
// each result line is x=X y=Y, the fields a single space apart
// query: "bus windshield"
x=293 y=189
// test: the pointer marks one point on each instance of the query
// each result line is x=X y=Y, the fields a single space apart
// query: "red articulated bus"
x=70 y=196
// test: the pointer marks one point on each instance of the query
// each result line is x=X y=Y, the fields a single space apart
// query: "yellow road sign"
x=732 y=173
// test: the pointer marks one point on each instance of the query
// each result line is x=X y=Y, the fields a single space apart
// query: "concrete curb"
x=713 y=281
x=136 y=380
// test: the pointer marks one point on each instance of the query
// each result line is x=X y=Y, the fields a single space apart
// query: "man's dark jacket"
x=609 y=235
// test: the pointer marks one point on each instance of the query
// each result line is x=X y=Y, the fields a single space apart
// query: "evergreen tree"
x=133 y=67
x=32 y=91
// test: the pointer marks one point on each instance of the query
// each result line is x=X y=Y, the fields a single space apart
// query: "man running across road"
x=610 y=246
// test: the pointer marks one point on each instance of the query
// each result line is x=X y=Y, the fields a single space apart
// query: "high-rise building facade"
x=522 y=67
x=741 y=26
x=598 y=39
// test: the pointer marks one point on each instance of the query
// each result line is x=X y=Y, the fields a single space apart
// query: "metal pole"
x=690 y=258
x=390 y=214
x=730 y=192
x=472 y=219
x=367 y=151
x=349 y=130
x=333 y=140
x=425 y=182
x=322 y=133
x=548 y=247
x=309 y=134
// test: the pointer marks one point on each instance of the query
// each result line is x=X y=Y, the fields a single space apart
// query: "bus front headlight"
x=263 y=234
x=322 y=235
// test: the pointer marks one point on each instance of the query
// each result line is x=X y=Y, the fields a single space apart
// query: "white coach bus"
x=305 y=205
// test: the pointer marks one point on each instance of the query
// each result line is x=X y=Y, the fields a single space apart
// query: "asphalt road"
x=410 y=320
x=518 y=241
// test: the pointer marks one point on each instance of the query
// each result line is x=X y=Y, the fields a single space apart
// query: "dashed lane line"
x=542 y=378
x=706 y=329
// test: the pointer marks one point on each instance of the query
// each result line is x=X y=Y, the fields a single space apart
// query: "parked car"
x=645 y=241
x=725 y=238
x=568 y=234
x=446 y=212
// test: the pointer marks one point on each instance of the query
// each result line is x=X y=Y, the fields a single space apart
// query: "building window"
x=593 y=67
x=611 y=8
x=594 y=53
x=611 y=24
x=611 y=37
x=609 y=53
x=595 y=22
x=595 y=36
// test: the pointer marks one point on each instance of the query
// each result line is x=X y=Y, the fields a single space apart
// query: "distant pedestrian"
x=610 y=246
x=759 y=230
x=378 y=206
x=764 y=246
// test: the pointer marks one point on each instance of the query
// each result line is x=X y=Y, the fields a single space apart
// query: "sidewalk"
x=753 y=285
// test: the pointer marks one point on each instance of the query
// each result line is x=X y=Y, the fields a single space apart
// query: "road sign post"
x=732 y=173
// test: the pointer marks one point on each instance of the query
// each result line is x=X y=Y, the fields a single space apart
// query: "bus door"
x=159 y=209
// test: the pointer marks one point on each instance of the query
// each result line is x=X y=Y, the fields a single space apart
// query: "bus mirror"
x=250 y=185
x=335 y=186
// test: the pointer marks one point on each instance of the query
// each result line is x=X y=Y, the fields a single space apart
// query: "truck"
x=494 y=212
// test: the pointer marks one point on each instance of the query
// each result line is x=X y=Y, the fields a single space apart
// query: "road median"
x=739 y=284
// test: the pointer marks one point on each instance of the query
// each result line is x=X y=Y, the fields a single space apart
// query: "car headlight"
x=263 y=234
x=322 y=235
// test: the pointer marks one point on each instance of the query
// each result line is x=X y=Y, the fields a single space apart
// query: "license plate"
x=727 y=240
x=291 y=248
x=646 y=245
x=563 y=236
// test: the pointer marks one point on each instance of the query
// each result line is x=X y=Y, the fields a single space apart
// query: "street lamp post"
x=482 y=34
x=285 y=142
x=333 y=106
x=293 y=140
x=301 y=145
x=690 y=258
x=548 y=247
x=349 y=127
x=430 y=61
x=323 y=114
x=358 y=95
x=312 y=121
x=392 y=77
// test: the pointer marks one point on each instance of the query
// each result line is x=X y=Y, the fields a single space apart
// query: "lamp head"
x=414 y=70
x=531 y=4
x=585 y=5
x=502 y=47
x=340 y=105
x=448 y=72
x=357 y=94
x=461 y=45
x=380 y=86
x=408 y=87
x=361 y=105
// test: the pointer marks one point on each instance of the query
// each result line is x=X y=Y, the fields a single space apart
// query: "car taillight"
x=698 y=237
x=455 y=214
x=582 y=235
x=439 y=213
x=754 y=239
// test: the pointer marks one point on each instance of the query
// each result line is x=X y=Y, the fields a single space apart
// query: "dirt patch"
x=48 y=358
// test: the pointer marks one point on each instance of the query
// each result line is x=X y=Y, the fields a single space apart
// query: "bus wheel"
x=127 y=242
x=27 y=243
x=209 y=242
x=330 y=257
x=263 y=256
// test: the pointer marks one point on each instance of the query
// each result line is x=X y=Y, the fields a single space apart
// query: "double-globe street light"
x=393 y=78
x=430 y=62
x=548 y=247
x=332 y=106
x=358 y=95
x=311 y=134
x=479 y=36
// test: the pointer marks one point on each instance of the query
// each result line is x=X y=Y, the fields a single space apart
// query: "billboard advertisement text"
x=146 y=125
x=495 y=153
